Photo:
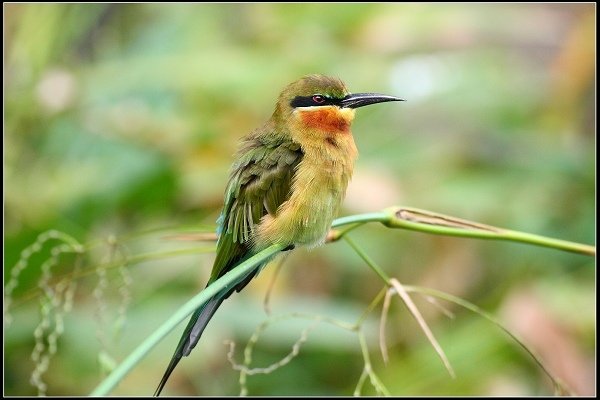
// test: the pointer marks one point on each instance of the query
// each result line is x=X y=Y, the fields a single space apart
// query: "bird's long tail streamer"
x=191 y=335
x=201 y=318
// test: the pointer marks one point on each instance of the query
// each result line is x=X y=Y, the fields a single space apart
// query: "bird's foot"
x=290 y=247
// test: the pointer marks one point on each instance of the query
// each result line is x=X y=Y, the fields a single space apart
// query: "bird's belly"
x=305 y=218
x=313 y=219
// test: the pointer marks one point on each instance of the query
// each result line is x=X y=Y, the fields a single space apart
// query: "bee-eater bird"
x=286 y=185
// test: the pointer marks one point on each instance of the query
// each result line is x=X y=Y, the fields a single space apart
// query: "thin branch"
x=439 y=224
x=368 y=260
x=382 y=321
x=430 y=222
x=245 y=368
x=371 y=306
x=368 y=369
x=415 y=312
x=267 y=299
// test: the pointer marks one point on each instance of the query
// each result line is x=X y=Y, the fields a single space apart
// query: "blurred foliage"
x=123 y=118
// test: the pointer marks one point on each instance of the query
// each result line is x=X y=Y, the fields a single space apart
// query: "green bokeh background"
x=123 y=118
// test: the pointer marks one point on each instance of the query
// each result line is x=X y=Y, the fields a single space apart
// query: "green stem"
x=184 y=311
x=362 y=218
x=548 y=242
x=439 y=224
x=368 y=260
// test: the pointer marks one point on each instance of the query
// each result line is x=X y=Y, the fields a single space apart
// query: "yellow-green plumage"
x=286 y=185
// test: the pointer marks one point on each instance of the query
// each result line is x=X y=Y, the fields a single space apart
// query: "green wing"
x=260 y=181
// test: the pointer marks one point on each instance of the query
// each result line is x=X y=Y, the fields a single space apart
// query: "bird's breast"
x=325 y=136
x=317 y=192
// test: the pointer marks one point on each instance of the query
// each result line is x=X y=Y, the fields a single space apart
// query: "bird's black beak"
x=356 y=100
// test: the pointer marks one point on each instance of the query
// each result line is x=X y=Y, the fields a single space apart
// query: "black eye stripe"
x=308 y=101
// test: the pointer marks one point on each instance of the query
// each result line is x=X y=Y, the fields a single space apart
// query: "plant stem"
x=439 y=224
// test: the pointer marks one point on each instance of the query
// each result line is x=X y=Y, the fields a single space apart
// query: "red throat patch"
x=328 y=119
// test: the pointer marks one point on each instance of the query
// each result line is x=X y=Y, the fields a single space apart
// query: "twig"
x=384 y=311
x=415 y=312
x=267 y=299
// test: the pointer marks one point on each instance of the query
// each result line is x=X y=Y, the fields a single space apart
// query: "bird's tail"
x=199 y=320
x=191 y=335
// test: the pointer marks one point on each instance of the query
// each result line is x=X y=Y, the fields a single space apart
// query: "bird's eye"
x=317 y=98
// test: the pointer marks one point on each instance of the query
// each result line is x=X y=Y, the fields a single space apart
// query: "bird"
x=285 y=187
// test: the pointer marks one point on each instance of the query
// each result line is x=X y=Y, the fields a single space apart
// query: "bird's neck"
x=325 y=136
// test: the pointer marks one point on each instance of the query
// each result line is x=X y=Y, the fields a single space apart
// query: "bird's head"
x=317 y=104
